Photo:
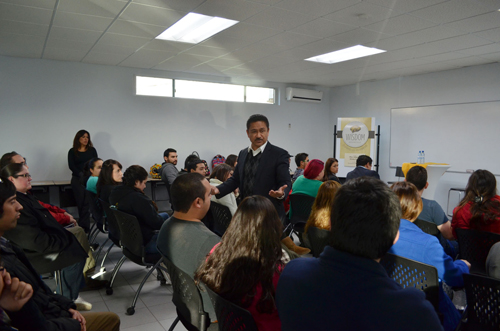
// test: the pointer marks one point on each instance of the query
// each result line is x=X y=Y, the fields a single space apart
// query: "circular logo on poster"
x=355 y=134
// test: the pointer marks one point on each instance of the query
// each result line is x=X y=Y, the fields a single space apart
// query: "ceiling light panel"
x=345 y=54
x=194 y=28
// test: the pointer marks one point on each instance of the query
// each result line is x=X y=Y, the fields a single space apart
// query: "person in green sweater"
x=310 y=181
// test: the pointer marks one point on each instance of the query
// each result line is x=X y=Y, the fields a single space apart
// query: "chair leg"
x=109 y=288
x=58 y=280
x=91 y=235
x=131 y=309
x=172 y=327
x=106 y=255
x=96 y=254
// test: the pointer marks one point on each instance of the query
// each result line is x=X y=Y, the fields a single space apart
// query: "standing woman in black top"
x=82 y=151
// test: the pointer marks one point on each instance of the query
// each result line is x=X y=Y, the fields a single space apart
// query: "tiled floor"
x=154 y=310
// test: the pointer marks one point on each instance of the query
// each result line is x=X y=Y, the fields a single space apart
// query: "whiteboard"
x=466 y=136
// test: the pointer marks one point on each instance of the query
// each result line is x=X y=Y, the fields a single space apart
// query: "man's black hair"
x=257 y=118
x=192 y=165
x=301 y=157
x=185 y=189
x=168 y=151
x=363 y=160
x=365 y=218
x=417 y=175
x=190 y=159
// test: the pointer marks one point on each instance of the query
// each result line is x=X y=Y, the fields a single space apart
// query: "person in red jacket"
x=480 y=208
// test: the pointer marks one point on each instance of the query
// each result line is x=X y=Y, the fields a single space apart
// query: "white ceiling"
x=271 y=41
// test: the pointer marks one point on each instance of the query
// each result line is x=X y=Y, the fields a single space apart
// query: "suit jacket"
x=360 y=172
x=45 y=242
x=272 y=173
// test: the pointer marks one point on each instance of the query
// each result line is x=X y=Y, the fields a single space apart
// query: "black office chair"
x=114 y=236
x=318 y=239
x=187 y=300
x=410 y=273
x=221 y=218
x=231 y=317
x=99 y=225
x=427 y=227
x=133 y=249
x=483 y=303
x=474 y=246
x=300 y=205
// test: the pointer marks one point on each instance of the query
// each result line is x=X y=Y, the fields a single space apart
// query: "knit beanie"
x=313 y=169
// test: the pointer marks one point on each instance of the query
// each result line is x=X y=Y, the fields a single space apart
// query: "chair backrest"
x=187 y=298
x=96 y=210
x=318 y=238
x=483 y=302
x=427 y=227
x=301 y=205
x=474 y=246
x=221 y=218
x=131 y=236
x=113 y=229
x=410 y=273
x=231 y=317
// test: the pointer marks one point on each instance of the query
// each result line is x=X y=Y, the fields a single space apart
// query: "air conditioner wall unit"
x=298 y=94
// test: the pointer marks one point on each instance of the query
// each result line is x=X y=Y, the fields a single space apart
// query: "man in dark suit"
x=262 y=168
x=363 y=168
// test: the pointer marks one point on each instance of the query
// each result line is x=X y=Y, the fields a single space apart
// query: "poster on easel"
x=355 y=136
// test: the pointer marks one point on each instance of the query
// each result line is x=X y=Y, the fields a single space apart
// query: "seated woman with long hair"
x=110 y=176
x=245 y=267
x=480 y=208
x=417 y=245
x=232 y=160
x=322 y=207
x=220 y=174
x=331 y=170
x=130 y=199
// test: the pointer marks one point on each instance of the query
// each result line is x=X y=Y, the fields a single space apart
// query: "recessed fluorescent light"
x=194 y=28
x=345 y=54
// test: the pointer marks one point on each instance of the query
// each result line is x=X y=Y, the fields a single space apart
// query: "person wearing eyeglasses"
x=48 y=246
x=29 y=303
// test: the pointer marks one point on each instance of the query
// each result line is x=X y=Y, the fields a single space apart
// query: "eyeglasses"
x=26 y=175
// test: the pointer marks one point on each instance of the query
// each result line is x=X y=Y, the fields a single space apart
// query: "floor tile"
x=163 y=311
x=142 y=316
x=167 y=323
x=156 y=326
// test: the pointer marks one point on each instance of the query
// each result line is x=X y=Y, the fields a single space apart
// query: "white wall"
x=472 y=84
x=44 y=103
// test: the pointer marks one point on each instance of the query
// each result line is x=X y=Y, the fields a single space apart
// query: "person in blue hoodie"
x=417 y=245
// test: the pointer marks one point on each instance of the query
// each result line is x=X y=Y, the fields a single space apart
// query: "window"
x=260 y=94
x=164 y=87
x=209 y=91
x=160 y=87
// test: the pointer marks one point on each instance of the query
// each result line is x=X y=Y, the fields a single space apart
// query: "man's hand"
x=214 y=190
x=77 y=316
x=279 y=194
x=71 y=219
x=14 y=293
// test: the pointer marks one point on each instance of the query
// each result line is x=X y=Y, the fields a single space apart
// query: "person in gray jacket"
x=169 y=173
